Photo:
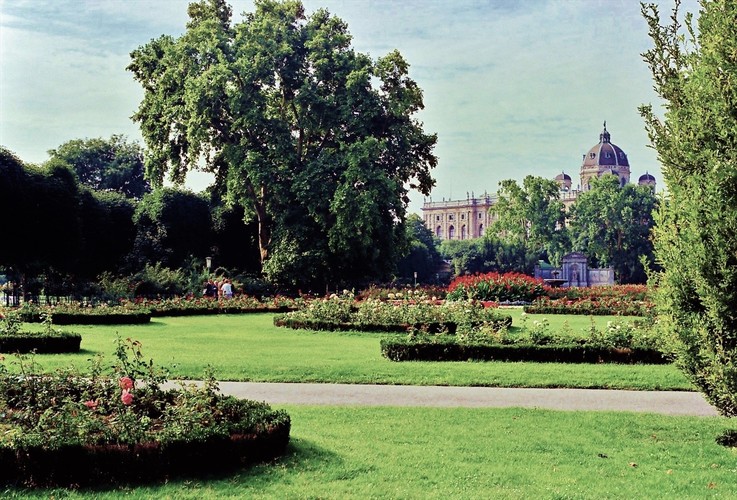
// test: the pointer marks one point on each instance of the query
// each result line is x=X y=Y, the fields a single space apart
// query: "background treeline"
x=87 y=222
x=65 y=226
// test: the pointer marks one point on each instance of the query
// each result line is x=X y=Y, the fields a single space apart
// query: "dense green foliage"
x=533 y=217
x=106 y=164
x=74 y=230
x=611 y=224
x=696 y=231
x=318 y=143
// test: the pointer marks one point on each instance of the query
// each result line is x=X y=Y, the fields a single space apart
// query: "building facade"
x=469 y=218
x=459 y=219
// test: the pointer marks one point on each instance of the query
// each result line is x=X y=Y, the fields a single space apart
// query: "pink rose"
x=126 y=397
x=125 y=383
x=91 y=404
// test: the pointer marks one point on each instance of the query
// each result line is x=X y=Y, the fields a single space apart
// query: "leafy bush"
x=118 y=424
x=508 y=287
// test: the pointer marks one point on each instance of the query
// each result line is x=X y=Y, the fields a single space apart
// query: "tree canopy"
x=695 y=70
x=531 y=217
x=612 y=225
x=106 y=164
x=317 y=142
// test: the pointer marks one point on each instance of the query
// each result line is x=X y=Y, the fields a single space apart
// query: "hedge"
x=438 y=349
x=96 y=465
x=42 y=343
x=217 y=310
x=589 y=311
x=83 y=318
x=449 y=327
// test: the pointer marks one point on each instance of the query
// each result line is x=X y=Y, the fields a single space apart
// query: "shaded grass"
x=363 y=452
x=249 y=348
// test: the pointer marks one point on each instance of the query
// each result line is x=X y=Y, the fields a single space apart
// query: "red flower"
x=91 y=404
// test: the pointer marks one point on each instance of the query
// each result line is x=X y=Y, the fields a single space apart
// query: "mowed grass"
x=369 y=452
x=249 y=348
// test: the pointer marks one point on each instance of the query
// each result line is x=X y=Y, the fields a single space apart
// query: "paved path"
x=666 y=402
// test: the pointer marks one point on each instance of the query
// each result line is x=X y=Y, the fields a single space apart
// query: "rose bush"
x=64 y=428
x=508 y=287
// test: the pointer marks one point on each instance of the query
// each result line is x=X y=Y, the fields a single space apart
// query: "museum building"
x=469 y=218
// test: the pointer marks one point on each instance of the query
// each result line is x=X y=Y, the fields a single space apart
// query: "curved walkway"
x=665 y=402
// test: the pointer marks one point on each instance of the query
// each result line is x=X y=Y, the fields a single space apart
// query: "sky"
x=511 y=87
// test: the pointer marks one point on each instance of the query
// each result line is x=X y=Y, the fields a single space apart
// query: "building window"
x=451 y=232
x=439 y=232
x=481 y=230
x=437 y=217
x=450 y=217
x=463 y=232
x=463 y=216
x=481 y=215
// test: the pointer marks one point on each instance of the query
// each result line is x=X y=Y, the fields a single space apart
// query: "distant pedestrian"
x=210 y=289
x=227 y=289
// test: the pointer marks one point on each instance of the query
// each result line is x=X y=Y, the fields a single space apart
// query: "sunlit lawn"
x=249 y=347
x=363 y=452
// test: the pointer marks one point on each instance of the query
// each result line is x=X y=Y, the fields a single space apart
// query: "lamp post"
x=415 y=273
x=208 y=263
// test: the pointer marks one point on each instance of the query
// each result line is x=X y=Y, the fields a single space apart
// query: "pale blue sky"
x=511 y=87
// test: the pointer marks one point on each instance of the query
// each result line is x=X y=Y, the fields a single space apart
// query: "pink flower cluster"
x=126 y=397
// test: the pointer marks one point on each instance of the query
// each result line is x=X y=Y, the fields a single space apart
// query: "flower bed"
x=119 y=426
x=50 y=340
x=344 y=313
x=189 y=306
x=619 y=342
x=76 y=313
x=449 y=349
x=508 y=287
x=603 y=306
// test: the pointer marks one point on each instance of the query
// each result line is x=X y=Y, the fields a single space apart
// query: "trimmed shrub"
x=448 y=349
x=42 y=343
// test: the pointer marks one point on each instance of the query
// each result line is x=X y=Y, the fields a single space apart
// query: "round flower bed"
x=118 y=425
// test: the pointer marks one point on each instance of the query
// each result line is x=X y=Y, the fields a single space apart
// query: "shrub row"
x=448 y=349
x=42 y=343
x=449 y=327
x=219 y=310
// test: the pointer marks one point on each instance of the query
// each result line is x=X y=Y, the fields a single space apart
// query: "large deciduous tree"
x=317 y=142
x=106 y=164
x=695 y=72
x=532 y=217
x=612 y=225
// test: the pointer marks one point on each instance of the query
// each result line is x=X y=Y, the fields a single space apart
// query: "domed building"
x=469 y=218
x=604 y=158
x=646 y=180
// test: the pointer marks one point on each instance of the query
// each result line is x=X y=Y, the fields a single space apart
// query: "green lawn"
x=360 y=452
x=249 y=347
